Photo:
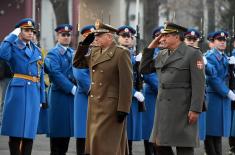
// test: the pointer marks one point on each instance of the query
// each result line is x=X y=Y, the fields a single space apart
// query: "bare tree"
x=127 y=12
x=61 y=11
x=211 y=15
x=150 y=17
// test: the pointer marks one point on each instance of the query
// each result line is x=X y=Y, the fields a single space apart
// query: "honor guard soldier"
x=232 y=136
x=58 y=65
x=82 y=77
x=219 y=96
x=25 y=91
x=150 y=90
x=110 y=92
x=191 y=37
x=180 y=70
x=134 y=119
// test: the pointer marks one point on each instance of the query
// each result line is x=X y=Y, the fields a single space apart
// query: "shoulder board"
x=194 y=47
x=122 y=47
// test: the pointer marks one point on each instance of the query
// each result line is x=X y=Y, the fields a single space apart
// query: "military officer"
x=25 y=91
x=110 y=93
x=150 y=90
x=58 y=65
x=219 y=96
x=180 y=70
x=134 y=119
x=82 y=77
x=191 y=37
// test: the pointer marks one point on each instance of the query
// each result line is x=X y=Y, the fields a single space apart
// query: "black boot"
x=27 y=145
x=80 y=146
x=232 y=144
x=14 y=145
x=59 y=146
x=130 y=146
x=147 y=148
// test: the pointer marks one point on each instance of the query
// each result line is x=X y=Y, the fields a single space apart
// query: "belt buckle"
x=34 y=79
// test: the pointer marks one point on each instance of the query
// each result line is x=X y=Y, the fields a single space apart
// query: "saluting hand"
x=156 y=41
x=192 y=117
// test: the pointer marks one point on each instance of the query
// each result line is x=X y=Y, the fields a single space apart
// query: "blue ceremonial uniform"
x=150 y=91
x=134 y=118
x=82 y=77
x=23 y=97
x=58 y=63
x=219 y=105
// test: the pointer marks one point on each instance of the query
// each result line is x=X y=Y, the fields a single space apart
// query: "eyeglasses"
x=65 y=34
x=126 y=35
x=191 y=39
x=221 y=39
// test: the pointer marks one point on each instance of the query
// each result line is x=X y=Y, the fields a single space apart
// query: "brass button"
x=92 y=96
x=92 y=83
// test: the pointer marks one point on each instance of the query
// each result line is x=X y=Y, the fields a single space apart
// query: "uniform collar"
x=218 y=54
x=21 y=44
x=62 y=48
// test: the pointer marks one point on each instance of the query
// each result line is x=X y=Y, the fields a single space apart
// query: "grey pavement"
x=42 y=147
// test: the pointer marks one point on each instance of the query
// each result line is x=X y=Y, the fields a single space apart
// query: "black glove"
x=79 y=58
x=89 y=39
x=121 y=116
x=44 y=106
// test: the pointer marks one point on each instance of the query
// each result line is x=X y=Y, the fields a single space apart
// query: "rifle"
x=138 y=79
x=231 y=66
x=201 y=39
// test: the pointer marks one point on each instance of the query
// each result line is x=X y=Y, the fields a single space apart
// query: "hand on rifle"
x=139 y=96
x=204 y=60
x=156 y=42
x=138 y=57
x=231 y=95
x=231 y=60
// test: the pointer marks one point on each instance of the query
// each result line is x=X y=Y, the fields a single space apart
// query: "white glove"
x=204 y=60
x=139 y=96
x=138 y=57
x=73 y=91
x=231 y=60
x=231 y=95
x=16 y=31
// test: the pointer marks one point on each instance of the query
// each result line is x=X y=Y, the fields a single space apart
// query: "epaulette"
x=122 y=47
x=194 y=47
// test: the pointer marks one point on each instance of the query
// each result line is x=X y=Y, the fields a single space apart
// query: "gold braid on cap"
x=100 y=25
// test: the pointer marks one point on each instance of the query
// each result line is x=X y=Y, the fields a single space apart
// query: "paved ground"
x=41 y=147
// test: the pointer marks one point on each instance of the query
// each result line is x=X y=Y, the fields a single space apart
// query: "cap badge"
x=66 y=28
x=193 y=33
x=126 y=30
x=29 y=23
x=97 y=24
